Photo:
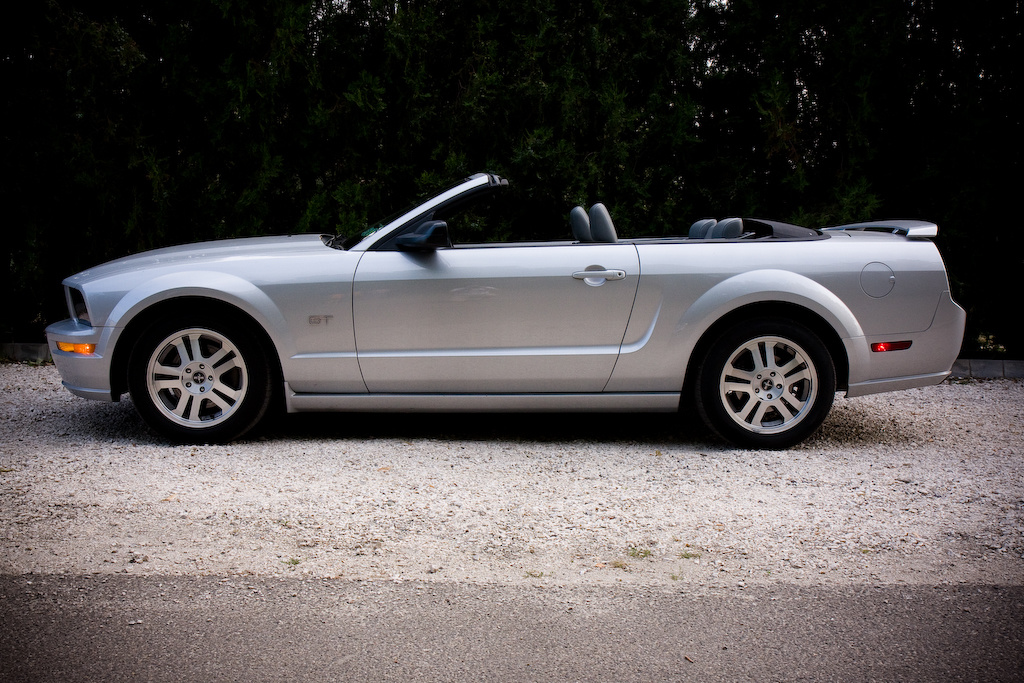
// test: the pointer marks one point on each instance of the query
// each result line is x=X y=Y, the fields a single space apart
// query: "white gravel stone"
x=916 y=487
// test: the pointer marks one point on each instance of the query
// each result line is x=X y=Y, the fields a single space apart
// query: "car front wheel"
x=766 y=384
x=205 y=382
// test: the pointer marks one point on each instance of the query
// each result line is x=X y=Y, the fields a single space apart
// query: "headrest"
x=580 y=223
x=601 y=227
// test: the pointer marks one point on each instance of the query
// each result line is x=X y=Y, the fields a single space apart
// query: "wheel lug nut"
x=188 y=384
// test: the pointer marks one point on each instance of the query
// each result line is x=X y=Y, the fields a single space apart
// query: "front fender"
x=224 y=287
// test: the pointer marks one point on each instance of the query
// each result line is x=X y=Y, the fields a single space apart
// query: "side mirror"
x=428 y=236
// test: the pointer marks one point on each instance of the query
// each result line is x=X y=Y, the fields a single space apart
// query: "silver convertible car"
x=755 y=324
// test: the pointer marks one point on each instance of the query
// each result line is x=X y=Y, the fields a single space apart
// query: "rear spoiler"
x=908 y=228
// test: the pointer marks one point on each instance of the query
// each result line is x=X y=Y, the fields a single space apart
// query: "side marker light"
x=84 y=349
x=882 y=347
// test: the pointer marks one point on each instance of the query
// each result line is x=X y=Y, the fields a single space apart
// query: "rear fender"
x=772 y=287
x=761 y=286
x=660 y=358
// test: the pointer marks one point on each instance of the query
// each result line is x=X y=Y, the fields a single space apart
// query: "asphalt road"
x=125 y=628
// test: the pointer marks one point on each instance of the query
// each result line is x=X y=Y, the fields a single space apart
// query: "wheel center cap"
x=197 y=380
x=767 y=385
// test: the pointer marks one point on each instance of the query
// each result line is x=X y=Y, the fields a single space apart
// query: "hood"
x=205 y=254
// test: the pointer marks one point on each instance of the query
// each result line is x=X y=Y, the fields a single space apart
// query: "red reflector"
x=882 y=347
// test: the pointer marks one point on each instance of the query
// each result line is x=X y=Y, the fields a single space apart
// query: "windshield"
x=341 y=241
x=352 y=240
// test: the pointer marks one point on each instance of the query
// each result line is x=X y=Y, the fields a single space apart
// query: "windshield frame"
x=394 y=223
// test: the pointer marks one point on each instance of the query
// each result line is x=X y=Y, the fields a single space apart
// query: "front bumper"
x=85 y=375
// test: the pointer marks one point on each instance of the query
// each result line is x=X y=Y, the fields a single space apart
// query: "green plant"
x=987 y=344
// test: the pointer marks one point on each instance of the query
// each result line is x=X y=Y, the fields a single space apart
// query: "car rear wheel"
x=766 y=384
x=204 y=382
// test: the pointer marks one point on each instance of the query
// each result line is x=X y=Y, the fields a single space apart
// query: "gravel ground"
x=918 y=487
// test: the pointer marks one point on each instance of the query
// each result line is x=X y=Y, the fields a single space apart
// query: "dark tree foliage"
x=132 y=125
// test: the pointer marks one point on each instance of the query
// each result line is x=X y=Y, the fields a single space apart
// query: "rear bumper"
x=878 y=386
x=928 y=361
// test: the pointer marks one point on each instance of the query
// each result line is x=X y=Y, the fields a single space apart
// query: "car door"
x=507 y=318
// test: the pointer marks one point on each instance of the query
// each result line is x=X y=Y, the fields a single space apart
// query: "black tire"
x=204 y=381
x=766 y=384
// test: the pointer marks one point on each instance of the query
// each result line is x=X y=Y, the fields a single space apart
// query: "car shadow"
x=91 y=420
x=852 y=426
x=102 y=421
x=849 y=427
x=515 y=427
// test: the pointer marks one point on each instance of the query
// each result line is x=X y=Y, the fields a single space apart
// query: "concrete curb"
x=979 y=369
x=989 y=369
x=26 y=353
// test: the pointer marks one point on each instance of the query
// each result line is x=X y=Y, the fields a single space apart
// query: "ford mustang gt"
x=755 y=324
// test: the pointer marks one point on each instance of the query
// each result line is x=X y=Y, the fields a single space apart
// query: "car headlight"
x=76 y=305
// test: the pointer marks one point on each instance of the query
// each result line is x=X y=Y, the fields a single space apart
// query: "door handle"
x=600 y=275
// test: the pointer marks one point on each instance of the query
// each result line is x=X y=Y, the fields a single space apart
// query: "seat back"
x=601 y=228
x=728 y=228
x=580 y=223
x=700 y=229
